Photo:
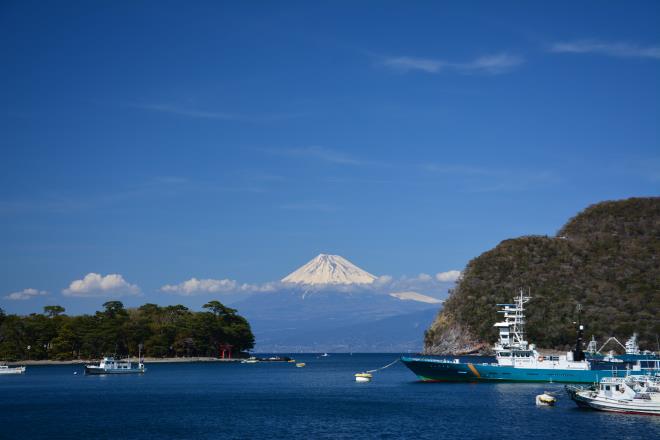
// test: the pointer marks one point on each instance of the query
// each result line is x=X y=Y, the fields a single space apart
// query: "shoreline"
x=147 y=360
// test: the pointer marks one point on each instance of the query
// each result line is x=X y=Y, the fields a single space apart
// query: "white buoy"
x=363 y=377
x=545 y=399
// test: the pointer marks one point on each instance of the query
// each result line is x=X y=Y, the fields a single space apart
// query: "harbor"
x=196 y=400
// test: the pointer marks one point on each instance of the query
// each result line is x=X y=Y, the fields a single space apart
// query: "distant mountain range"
x=331 y=305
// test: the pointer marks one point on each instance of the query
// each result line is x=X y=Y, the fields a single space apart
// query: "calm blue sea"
x=272 y=400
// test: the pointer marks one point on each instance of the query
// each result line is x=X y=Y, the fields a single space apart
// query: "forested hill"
x=607 y=258
x=164 y=332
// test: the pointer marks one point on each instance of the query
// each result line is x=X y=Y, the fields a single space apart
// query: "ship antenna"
x=578 y=354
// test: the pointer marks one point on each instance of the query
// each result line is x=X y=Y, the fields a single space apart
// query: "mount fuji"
x=331 y=305
x=329 y=269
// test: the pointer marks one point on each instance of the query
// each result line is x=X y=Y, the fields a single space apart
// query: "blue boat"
x=519 y=361
x=632 y=353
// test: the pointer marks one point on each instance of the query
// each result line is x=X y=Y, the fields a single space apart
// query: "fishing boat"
x=4 y=369
x=630 y=394
x=631 y=354
x=519 y=361
x=110 y=365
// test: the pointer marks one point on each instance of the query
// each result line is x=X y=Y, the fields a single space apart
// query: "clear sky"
x=162 y=141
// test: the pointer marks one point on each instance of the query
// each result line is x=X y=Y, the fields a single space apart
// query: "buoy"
x=300 y=364
x=545 y=399
x=75 y=372
x=363 y=377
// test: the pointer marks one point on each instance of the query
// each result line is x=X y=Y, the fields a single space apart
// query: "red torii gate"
x=224 y=350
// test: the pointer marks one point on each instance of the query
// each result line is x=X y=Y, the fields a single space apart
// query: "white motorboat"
x=4 y=369
x=630 y=394
x=110 y=365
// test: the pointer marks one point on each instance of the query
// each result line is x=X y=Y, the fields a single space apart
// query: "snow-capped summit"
x=329 y=269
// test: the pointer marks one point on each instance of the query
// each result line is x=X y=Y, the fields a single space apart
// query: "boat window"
x=607 y=387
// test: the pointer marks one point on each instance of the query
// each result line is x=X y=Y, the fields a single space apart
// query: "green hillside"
x=607 y=258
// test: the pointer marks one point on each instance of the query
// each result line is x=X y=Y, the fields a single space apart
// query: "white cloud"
x=194 y=286
x=221 y=116
x=489 y=64
x=424 y=277
x=383 y=280
x=271 y=286
x=414 y=296
x=309 y=206
x=96 y=285
x=319 y=153
x=622 y=50
x=406 y=64
x=26 y=294
x=493 y=64
x=448 y=277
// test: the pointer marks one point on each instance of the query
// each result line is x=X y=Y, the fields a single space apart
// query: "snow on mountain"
x=414 y=296
x=329 y=269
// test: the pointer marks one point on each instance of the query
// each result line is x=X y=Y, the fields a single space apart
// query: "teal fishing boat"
x=519 y=361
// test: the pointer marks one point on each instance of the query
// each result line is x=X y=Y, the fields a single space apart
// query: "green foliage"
x=169 y=331
x=605 y=258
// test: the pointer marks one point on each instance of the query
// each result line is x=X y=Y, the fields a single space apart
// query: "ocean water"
x=278 y=400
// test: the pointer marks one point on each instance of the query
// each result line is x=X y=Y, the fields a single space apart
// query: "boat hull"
x=628 y=407
x=436 y=370
x=99 y=371
x=16 y=370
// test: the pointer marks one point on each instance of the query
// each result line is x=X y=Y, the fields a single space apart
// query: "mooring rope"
x=382 y=368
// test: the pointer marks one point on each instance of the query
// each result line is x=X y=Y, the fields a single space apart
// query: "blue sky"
x=162 y=141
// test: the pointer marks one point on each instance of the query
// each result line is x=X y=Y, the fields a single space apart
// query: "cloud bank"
x=495 y=64
x=96 y=285
x=26 y=294
x=618 y=49
x=194 y=286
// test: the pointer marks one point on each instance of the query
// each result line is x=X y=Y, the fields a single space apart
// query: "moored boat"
x=110 y=365
x=4 y=369
x=631 y=394
x=631 y=354
x=519 y=361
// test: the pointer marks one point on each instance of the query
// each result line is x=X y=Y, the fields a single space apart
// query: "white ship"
x=630 y=394
x=110 y=365
x=4 y=369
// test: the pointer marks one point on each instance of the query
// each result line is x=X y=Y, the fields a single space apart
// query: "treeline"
x=171 y=331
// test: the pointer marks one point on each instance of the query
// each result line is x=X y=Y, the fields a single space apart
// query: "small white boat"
x=4 y=369
x=110 y=365
x=325 y=355
x=300 y=364
x=363 y=377
x=630 y=394
x=250 y=360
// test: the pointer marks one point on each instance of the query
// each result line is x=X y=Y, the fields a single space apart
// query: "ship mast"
x=512 y=329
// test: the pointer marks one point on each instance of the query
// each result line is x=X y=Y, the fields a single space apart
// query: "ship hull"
x=610 y=405
x=435 y=370
x=98 y=371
